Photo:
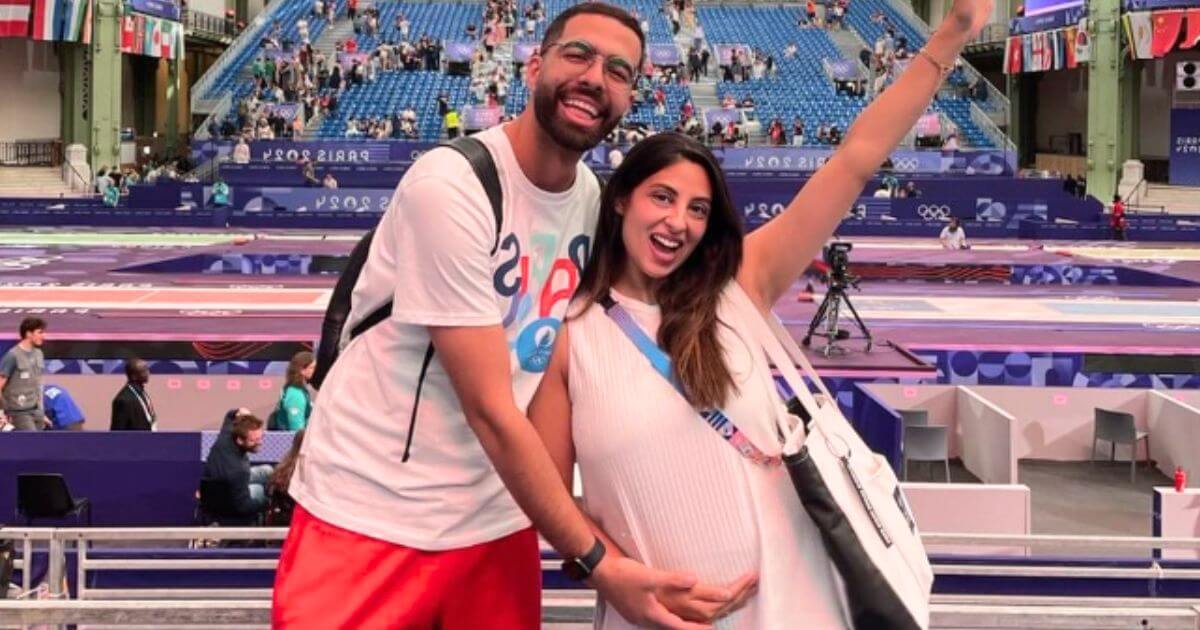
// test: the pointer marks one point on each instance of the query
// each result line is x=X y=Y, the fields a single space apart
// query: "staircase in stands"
x=34 y=181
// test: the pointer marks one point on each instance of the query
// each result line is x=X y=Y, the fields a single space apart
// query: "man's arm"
x=477 y=362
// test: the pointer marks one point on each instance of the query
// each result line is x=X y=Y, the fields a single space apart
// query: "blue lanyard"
x=715 y=418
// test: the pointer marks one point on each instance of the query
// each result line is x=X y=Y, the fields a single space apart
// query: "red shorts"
x=329 y=577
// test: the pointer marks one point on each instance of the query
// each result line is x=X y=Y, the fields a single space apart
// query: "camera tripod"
x=828 y=313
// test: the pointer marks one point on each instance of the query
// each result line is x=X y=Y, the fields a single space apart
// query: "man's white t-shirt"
x=431 y=255
x=953 y=240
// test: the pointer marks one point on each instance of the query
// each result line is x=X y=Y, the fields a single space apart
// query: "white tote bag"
x=852 y=495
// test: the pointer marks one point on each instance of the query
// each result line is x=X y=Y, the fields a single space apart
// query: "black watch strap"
x=581 y=568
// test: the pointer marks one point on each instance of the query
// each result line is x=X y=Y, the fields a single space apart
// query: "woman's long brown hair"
x=295 y=369
x=688 y=297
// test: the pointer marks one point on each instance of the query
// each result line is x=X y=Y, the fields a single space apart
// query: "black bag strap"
x=481 y=161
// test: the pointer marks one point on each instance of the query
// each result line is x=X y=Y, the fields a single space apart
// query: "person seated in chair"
x=229 y=461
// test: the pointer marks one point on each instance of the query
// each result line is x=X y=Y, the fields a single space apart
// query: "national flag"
x=43 y=16
x=1012 y=55
x=1035 y=63
x=127 y=34
x=1166 y=31
x=1083 y=43
x=1140 y=33
x=1047 y=51
x=1192 y=36
x=1069 y=46
x=166 y=40
x=156 y=34
x=139 y=34
x=1057 y=57
x=1027 y=53
x=86 y=36
x=74 y=15
x=14 y=18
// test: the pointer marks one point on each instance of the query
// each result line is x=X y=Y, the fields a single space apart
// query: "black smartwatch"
x=580 y=569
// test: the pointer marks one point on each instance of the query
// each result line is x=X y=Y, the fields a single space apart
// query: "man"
x=21 y=377
x=131 y=407
x=404 y=516
x=229 y=461
x=953 y=236
x=329 y=181
x=61 y=410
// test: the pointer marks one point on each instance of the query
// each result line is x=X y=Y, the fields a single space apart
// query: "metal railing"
x=994 y=95
x=248 y=37
x=48 y=152
x=989 y=129
x=211 y=25
x=251 y=606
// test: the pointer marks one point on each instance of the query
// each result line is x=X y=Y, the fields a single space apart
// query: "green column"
x=76 y=93
x=105 y=75
x=1109 y=124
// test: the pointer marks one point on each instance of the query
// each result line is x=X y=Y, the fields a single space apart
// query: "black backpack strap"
x=481 y=162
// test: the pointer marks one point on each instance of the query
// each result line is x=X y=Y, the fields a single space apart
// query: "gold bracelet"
x=942 y=68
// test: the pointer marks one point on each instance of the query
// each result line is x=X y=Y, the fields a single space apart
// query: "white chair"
x=926 y=444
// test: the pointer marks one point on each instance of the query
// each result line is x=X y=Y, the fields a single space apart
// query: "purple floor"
x=75 y=265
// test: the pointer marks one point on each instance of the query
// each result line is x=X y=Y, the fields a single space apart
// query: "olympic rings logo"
x=933 y=212
x=907 y=165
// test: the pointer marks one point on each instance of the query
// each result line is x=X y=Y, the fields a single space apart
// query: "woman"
x=279 y=503
x=295 y=405
x=658 y=481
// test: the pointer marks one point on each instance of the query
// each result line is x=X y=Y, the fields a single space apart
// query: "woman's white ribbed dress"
x=675 y=495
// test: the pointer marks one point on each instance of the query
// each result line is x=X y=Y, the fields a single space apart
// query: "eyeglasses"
x=582 y=55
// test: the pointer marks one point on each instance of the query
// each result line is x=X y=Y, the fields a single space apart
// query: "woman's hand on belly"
x=706 y=604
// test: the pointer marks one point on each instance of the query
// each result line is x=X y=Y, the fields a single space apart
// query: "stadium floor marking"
x=1176 y=254
x=116 y=239
x=133 y=298
x=313 y=300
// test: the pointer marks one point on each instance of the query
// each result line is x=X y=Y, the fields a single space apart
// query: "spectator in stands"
x=1117 y=221
x=402 y=25
x=728 y=102
x=810 y=12
x=308 y=170
x=352 y=10
x=910 y=190
x=452 y=123
x=280 y=504
x=229 y=461
x=615 y=157
x=132 y=409
x=797 y=131
x=318 y=9
x=951 y=142
x=953 y=236
x=61 y=410
x=823 y=133
x=883 y=192
x=111 y=195
x=220 y=193
x=329 y=181
x=693 y=62
x=776 y=133
x=103 y=181
x=747 y=102
x=21 y=377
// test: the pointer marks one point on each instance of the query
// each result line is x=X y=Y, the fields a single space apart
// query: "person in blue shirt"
x=220 y=193
x=61 y=410
x=295 y=405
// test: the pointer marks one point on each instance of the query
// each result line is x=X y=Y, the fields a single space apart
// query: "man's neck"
x=25 y=345
x=544 y=163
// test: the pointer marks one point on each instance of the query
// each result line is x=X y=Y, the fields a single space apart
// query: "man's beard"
x=565 y=134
